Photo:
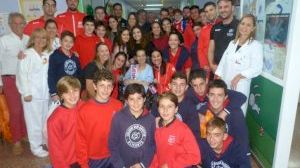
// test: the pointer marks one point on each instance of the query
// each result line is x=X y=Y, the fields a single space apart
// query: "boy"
x=86 y=42
x=131 y=139
x=186 y=108
x=175 y=142
x=61 y=125
x=217 y=101
x=93 y=123
x=62 y=62
x=220 y=149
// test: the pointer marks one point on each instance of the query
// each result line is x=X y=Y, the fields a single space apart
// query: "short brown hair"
x=67 y=33
x=232 y=1
x=102 y=75
x=170 y=96
x=179 y=75
x=217 y=122
x=66 y=83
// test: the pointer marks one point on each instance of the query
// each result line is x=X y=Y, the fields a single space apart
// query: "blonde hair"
x=67 y=83
x=253 y=33
x=42 y=32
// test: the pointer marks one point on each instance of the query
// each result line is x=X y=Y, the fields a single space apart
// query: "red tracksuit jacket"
x=72 y=21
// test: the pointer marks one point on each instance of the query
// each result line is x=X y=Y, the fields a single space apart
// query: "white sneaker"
x=41 y=153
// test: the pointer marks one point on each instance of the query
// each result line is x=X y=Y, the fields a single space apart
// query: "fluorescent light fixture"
x=152 y=9
x=154 y=5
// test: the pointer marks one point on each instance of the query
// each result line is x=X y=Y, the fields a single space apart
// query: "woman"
x=157 y=37
x=243 y=58
x=113 y=27
x=102 y=61
x=32 y=84
x=163 y=71
x=51 y=28
x=132 y=20
x=141 y=72
x=167 y=26
x=118 y=70
x=177 y=55
x=101 y=32
x=121 y=42
x=138 y=41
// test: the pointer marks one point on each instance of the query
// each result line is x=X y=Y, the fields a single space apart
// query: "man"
x=49 y=9
x=164 y=13
x=118 y=11
x=142 y=21
x=72 y=18
x=194 y=51
x=11 y=45
x=100 y=15
x=222 y=33
x=204 y=37
x=186 y=13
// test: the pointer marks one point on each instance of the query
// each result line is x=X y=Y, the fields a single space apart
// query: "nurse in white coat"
x=32 y=84
x=243 y=59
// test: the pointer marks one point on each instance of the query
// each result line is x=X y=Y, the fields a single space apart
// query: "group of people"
x=153 y=92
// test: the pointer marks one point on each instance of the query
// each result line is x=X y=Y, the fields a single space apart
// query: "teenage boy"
x=61 y=125
x=72 y=18
x=86 y=42
x=196 y=61
x=220 y=149
x=118 y=12
x=217 y=100
x=93 y=123
x=187 y=111
x=131 y=140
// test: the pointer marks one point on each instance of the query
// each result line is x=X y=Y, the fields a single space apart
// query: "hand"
x=21 y=55
x=223 y=115
x=235 y=81
x=137 y=165
x=1 y=89
x=213 y=68
x=164 y=166
x=28 y=98
x=55 y=98
x=76 y=54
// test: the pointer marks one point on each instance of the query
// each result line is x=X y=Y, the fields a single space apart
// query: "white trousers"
x=35 y=114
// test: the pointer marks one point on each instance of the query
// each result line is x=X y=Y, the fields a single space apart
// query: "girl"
x=177 y=55
x=163 y=71
x=132 y=20
x=158 y=39
x=102 y=61
x=113 y=27
x=118 y=70
x=101 y=32
x=121 y=42
x=176 y=145
x=32 y=84
x=243 y=58
x=51 y=28
x=141 y=72
x=138 y=41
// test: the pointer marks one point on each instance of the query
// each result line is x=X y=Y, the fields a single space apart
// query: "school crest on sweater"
x=135 y=136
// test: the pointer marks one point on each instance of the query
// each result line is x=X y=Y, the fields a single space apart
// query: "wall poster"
x=31 y=9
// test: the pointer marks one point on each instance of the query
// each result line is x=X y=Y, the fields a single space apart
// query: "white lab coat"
x=31 y=80
x=247 y=61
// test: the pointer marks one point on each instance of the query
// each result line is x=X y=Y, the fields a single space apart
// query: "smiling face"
x=174 y=41
x=210 y=12
x=215 y=138
x=103 y=90
x=141 y=57
x=137 y=34
x=225 y=9
x=136 y=103
x=17 y=25
x=132 y=20
x=119 y=61
x=100 y=31
x=156 y=59
x=216 y=97
x=199 y=86
x=178 y=87
x=71 y=97
x=103 y=53
x=156 y=29
x=40 y=41
x=113 y=23
x=67 y=43
x=125 y=36
x=167 y=110
x=72 y=4
x=51 y=29
x=89 y=28
x=246 y=27
x=49 y=8
x=166 y=25
x=100 y=14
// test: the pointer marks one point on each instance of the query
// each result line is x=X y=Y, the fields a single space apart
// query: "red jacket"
x=93 y=128
x=61 y=127
x=189 y=36
x=117 y=73
x=40 y=23
x=162 y=81
x=72 y=21
x=108 y=42
x=176 y=146
x=85 y=46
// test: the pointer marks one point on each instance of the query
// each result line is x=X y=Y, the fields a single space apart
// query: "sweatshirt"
x=131 y=139
x=94 y=120
x=230 y=156
x=61 y=129
x=176 y=146
x=72 y=21
x=61 y=65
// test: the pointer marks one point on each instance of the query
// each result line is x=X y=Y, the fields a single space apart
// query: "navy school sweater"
x=61 y=65
x=187 y=113
x=230 y=157
x=131 y=139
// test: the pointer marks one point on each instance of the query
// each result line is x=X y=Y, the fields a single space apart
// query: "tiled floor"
x=294 y=161
x=27 y=160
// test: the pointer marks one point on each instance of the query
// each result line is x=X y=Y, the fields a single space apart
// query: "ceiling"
x=143 y=4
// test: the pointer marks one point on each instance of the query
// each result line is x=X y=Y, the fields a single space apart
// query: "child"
x=131 y=140
x=221 y=150
x=62 y=62
x=32 y=84
x=86 y=42
x=178 y=22
x=61 y=125
x=175 y=142
x=93 y=123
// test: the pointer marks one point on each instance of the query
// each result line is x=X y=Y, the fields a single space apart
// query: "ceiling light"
x=152 y=9
x=154 y=5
